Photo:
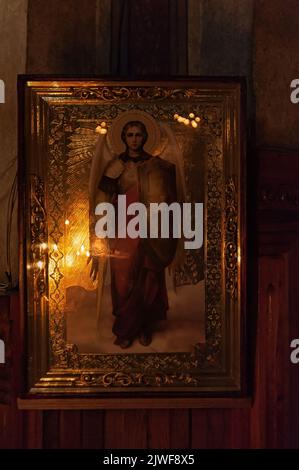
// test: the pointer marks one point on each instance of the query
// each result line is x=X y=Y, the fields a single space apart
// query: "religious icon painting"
x=133 y=230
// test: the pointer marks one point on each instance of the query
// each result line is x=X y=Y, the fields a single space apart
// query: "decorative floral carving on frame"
x=231 y=239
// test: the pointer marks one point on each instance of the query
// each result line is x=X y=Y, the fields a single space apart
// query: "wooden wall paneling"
x=114 y=429
x=70 y=427
x=218 y=429
x=51 y=430
x=125 y=429
x=271 y=333
x=33 y=429
x=5 y=335
x=4 y=427
x=270 y=284
x=278 y=293
x=159 y=429
x=149 y=38
x=93 y=429
x=199 y=423
x=258 y=412
x=103 y=37
x=119 y=34
x=180 y=429
x=11 y=372
x=270 y=412
x=239 y=428
x=278 y=357
x=178 y=37
x=293 y=430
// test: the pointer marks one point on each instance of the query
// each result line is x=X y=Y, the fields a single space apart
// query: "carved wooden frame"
x=50 y=107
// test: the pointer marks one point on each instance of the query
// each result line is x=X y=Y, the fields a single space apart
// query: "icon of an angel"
x=138 y=158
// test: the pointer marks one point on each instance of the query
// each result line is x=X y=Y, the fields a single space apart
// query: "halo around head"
x=154 y=135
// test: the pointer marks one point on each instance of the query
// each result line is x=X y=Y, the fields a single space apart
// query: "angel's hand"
x=94 y=269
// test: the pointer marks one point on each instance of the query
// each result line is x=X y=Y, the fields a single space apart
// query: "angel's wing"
x=100 y=159
x=173 y=154
x=82 y=142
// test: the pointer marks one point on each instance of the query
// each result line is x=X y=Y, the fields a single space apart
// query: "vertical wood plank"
x=70 y=430
x=159 y=429
x=293 y=422
x=179 y=429
x=239 y=429
x=119 y=37
x=136 y=429
x=272 y=400
x=194 y=36
x=149 y=38
x=258 y=412
x=51 y=431
x=199 y=427
x=178 y=48
x=4 y=427
x=217 y=429
x=33 y=432
x=103 y=37
x=93 y=429
x=126 y=429
x=114 y=429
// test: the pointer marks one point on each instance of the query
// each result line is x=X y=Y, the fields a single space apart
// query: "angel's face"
x=134 y=139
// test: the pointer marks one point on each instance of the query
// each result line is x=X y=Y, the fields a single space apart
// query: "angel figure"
x=137 y=265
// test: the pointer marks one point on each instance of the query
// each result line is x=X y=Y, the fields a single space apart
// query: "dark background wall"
x=191 y=37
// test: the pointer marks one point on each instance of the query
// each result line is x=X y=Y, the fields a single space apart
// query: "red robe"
x=138 y=288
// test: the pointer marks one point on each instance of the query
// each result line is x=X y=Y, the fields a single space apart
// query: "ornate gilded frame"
x=49 y=107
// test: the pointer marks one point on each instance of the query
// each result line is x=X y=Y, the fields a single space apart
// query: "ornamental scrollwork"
x=231 y=239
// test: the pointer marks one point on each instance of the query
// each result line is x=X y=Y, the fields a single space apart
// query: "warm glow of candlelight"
x=69 y=260
x=67 y=222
